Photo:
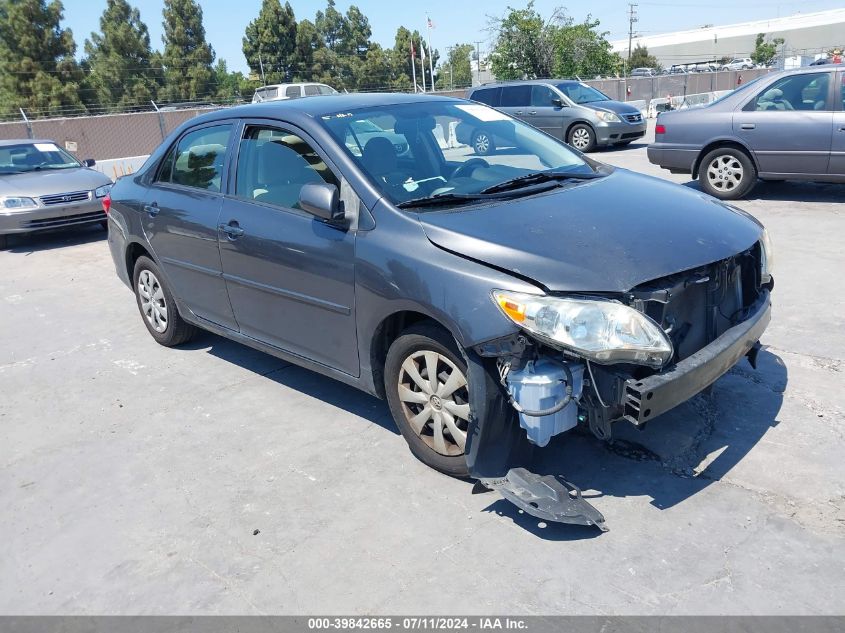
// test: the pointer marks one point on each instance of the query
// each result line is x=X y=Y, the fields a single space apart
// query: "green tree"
x=119 y=65
x=308 y=42
x=187 y=56
x=270 y=40
x=38 y=71
x=581 y=50
x=232 y=86
x=765 y=51
x=456 y=71
x=525 y=43
x=331 y=26
x=641 y=59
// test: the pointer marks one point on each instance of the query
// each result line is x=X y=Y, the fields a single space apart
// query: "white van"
x=279 y=92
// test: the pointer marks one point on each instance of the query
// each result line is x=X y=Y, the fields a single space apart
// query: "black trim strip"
x=290 y=294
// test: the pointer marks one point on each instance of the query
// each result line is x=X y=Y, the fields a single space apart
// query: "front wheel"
x=727 y=173
x=582 y=138
x=425 y=378
x=157 y=307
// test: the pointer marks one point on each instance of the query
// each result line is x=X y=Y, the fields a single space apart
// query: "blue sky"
x=456 y=21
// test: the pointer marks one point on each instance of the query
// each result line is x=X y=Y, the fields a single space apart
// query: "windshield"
x=418 y=150
x=23 y=157
x=582 y=93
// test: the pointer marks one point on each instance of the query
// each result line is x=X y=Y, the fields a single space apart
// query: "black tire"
x=483 y=143
x=738 y=178
x=416 y=340
x=4 y=242
x=582 y=131
x=105 y=225
x=176 y=330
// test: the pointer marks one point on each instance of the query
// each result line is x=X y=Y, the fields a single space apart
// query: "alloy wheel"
x=153 y=304
x=435 y=401
x=581 y=138
x=725 y=173
x=482 y=144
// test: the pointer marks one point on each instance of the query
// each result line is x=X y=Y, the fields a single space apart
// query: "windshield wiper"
x=541 y=176
x=457 y=198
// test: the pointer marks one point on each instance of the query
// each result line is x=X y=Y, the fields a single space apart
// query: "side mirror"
x=89 y=162
x=322 y=201
x=557 y=102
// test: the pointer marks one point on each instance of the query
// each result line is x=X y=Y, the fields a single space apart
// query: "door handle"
x=748 y=126
x=842 y=129
x=232 y=230
x=518 y=112
x=152 y=209
x=532 y=112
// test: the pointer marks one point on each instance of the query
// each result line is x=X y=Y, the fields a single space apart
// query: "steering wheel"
x=468 y=166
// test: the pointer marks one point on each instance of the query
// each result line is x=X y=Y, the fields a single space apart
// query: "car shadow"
x=669 y=461
x=790 y=191
x=27 y=243
x=292 y=376
x=612 y=149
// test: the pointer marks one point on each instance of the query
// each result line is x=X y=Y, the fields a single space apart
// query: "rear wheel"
x=157 y=307
x=727 y=173
x=425 y=378
x=582 y=138
x=482 y=143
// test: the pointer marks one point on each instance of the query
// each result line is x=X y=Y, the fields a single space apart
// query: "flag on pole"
x=422 y=51
x=413 y=51
x=430 y=23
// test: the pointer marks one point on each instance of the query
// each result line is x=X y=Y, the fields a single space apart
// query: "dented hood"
x=605 y=235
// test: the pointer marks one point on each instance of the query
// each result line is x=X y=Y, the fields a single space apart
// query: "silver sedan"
x=43 y=187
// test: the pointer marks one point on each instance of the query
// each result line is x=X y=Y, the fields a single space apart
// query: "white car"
x=739 y=63
x=280 y=92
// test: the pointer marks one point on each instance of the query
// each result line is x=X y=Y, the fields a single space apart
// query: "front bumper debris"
x=649 y=397
x=546 y=497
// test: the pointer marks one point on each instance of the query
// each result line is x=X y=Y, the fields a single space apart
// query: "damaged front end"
x=600 y=360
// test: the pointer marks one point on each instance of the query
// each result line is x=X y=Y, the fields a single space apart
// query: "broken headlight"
x=598 y=329
x=766 y=257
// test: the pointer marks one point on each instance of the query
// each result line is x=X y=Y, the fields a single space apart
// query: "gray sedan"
x=43 y=187
x=784 y=126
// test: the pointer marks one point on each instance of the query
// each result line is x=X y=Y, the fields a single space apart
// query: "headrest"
x=379 y=156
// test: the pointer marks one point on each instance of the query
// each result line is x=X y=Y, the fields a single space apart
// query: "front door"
x=290 y=276
x=837 y=150
x=543 y=113
x=788 y=125
x=180 y=218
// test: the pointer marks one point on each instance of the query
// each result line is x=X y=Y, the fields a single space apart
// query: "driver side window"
x=541 y=97
x=794 y=92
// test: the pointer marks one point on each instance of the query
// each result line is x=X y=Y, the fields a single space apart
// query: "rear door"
x=180 y=220
x=788 y=124
x=837 y=150
x=515 y=101
x=290 y=276
x=544 y=114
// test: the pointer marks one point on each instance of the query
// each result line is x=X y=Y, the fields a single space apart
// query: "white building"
x=806 y=34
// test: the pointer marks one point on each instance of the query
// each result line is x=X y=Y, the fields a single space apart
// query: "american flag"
x=430 y=23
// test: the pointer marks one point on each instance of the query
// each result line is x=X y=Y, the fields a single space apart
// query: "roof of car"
x=516 y=82
x=18 y=141
x=321 y=105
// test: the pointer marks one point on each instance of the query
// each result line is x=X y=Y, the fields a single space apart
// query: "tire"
x=727 y=173
x=161 y=316
x=582 y=137
x=4 y=242
x=105 y=225
x=482 y=143
x=411 y=397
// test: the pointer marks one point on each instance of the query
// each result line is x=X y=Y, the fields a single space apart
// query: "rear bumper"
x=673 y=158
x=646 y=399
x=52 y=217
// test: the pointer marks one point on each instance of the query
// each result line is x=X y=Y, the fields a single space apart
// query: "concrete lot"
x=133 y=477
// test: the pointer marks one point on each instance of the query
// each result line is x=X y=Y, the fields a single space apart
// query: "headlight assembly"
x=607 y=117
x=766 y=257
x=13 y=204
x=600 y=330
x=100 y=192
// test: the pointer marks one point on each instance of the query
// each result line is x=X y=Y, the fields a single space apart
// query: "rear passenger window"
x=198 y=159
x=292 y=92
x=515 y=96
x=312 y=90
x=489 y=96
x=274 y=164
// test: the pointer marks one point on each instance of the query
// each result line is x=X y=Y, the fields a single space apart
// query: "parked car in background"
x=739 y=63
x=280 y=92
x=788 y=125
x=43 y=187
x=568 y=110
x=643 y=72
x=706 y=67
x=675 y=69
x=493 y=304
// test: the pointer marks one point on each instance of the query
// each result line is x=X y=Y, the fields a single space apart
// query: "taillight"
x=107 y=203
x=659 y=129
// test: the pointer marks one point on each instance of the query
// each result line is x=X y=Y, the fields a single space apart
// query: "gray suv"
x=784 y=126
x=572 y=111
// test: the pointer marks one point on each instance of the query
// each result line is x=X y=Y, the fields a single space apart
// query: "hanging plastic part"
x=546 y=497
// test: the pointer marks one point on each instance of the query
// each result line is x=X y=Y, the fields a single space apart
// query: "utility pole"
x=632 y=18
x=478 y=61
x=261 y=65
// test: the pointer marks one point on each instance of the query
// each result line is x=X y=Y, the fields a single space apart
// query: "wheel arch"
x=725 y=142
x=573 y=124
x=135 y=250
